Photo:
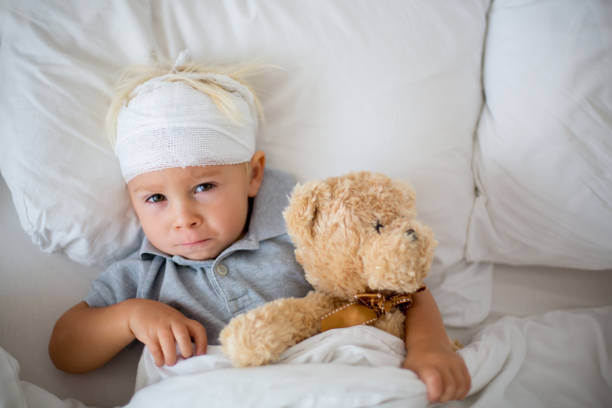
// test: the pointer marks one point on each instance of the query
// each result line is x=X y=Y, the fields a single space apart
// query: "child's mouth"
x=195 y=243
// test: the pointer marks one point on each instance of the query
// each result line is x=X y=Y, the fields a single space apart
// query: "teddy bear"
x=362 y=250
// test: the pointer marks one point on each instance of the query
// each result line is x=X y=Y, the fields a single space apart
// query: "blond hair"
x=135 y=75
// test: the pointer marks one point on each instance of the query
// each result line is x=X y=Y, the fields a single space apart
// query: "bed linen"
x=512 y=361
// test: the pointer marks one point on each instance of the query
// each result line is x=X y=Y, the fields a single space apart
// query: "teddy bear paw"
x=244 y=347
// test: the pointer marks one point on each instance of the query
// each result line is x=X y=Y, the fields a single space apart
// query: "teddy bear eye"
x=378 y=226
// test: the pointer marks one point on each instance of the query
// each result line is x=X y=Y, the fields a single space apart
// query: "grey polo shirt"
x=255 y=269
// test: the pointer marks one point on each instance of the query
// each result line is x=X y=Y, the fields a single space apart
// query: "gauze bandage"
x=170 y=124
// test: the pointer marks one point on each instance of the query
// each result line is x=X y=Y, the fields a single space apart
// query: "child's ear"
x=256 y=172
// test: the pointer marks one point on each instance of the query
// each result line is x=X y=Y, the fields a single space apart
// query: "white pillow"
x=391 y=86
x=543 y=160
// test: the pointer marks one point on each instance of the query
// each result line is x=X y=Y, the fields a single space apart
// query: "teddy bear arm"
x=261 y=335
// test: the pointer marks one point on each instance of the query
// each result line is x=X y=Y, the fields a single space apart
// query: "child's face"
x=195 y=212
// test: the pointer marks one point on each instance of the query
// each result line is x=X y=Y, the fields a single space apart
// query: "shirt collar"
x=266 y=218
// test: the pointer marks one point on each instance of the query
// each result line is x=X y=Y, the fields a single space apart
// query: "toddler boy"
x=215 y=242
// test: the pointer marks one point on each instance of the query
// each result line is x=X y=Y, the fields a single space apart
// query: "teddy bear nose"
x=412 y=234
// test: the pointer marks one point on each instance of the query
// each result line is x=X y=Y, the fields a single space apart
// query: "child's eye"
x=155 y=198
x=204 y=187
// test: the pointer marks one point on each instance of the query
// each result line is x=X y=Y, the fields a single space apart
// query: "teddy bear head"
x=358 y=233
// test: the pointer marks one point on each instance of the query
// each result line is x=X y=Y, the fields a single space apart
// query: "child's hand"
x=161 y=327
x=441 y=369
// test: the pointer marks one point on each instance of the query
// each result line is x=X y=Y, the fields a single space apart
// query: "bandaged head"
x=169 y=124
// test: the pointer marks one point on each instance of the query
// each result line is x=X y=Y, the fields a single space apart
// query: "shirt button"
x=221 y=270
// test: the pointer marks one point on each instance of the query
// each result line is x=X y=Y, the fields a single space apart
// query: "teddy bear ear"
x=303 y=210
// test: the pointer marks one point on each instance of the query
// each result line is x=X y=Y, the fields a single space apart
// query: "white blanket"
x=558 y=359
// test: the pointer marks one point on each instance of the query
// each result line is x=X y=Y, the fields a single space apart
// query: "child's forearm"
x=85 y=338
x=430 y=354
x=424 y=322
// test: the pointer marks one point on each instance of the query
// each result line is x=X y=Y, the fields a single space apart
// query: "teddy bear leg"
x=261 y=335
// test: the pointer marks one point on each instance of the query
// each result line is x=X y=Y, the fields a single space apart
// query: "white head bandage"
x=170 y=124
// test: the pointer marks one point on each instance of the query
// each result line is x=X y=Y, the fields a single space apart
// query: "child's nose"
x=186 y=216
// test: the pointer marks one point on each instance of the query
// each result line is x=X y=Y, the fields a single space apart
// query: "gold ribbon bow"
x=366 y=309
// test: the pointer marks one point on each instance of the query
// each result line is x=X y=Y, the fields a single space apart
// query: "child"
x=215 y=242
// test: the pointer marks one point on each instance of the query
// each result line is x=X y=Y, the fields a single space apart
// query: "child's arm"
x=429 y=352
x=85 y=338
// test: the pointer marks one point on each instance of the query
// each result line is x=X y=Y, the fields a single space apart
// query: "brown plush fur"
x=355 y=233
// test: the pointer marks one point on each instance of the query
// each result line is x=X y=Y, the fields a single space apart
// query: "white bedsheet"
x=15 y=393
x=557 y=359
